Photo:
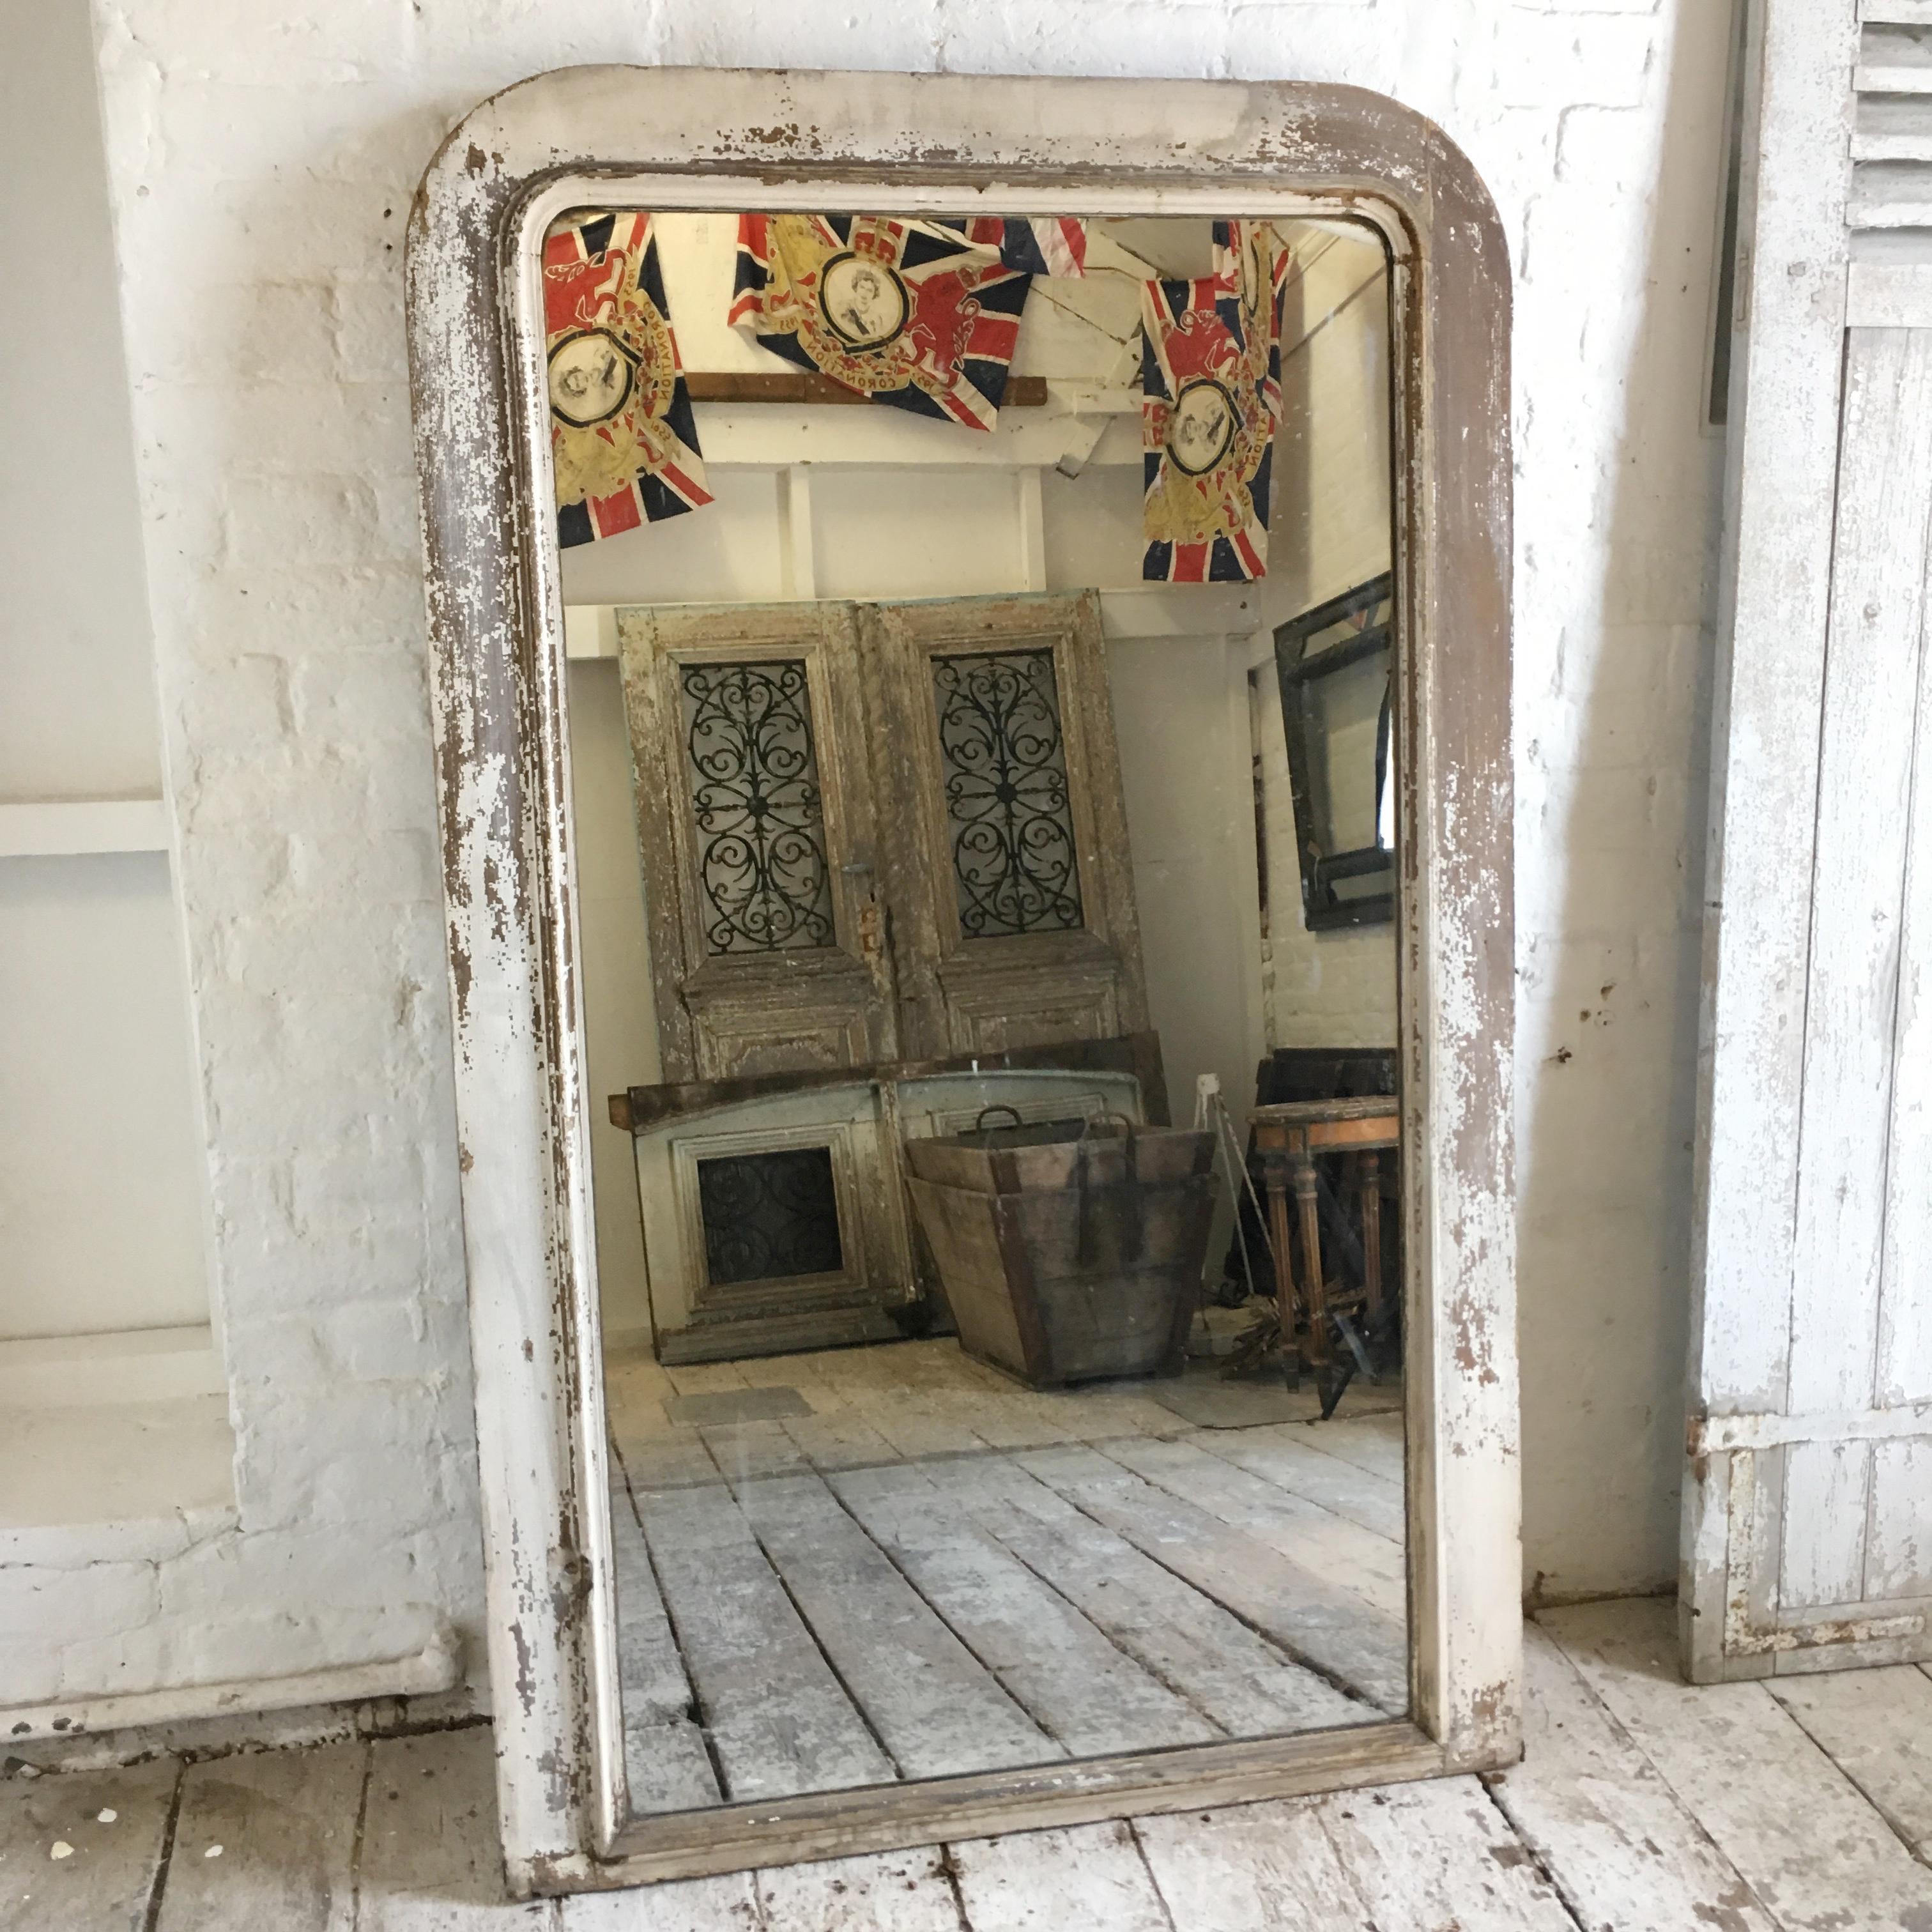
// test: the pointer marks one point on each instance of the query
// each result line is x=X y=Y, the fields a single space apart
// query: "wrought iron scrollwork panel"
x=1004 y=760
x=770 y=1217
x=752 y=769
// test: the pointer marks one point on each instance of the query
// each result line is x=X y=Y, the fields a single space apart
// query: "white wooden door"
x=1808 y=1513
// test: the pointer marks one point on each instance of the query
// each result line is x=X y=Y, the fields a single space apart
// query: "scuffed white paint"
x=498 y=659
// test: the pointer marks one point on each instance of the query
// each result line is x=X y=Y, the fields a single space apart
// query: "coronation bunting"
x=622 y=439
x=1044 y=246
x=1211 y=391
x=908 y=312
x=1253 y=250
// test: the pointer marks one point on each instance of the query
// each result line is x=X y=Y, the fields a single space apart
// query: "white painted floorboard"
x=1587 y=1800
x=1251 y=1868
x=1056 y=1881
x=1644 y=1806
x=1817 y=1855
x=1439 y=1856
x=1877 y=1726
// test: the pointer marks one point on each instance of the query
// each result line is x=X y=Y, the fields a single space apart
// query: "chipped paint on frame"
x=702 y=138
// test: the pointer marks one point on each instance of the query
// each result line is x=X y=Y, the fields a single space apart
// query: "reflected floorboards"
x=777 y=1716
x=934 y=1705
x=936 y=1572
x=667 y=1762
x=1235 y=1677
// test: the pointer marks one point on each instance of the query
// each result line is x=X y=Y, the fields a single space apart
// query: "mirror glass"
x=996 y=1181
x=1336 y=665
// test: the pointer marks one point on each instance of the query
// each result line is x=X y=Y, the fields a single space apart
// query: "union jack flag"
x=1211 y=396
x=1255 y=255
x=1055 y=245
x=623 y=442
x=1254 y=251
x=908 y=313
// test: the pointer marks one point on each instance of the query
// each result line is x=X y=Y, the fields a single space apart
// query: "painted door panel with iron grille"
x=756 y=829
x=939 y=866
x=1007 y=868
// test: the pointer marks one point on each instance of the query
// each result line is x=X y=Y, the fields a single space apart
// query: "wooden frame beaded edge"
x=725 y=139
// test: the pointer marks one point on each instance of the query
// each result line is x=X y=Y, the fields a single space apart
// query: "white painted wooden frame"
x=694 y=138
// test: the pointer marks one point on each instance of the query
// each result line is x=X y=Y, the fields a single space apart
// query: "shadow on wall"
x=1617 y=675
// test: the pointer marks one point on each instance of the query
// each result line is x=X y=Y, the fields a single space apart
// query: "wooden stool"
x=1288 y=1137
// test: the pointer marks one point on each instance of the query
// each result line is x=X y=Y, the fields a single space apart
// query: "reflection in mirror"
x=1337 y=664
x=997 y=1205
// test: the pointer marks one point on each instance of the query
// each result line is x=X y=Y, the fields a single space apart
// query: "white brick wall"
x=261 y=159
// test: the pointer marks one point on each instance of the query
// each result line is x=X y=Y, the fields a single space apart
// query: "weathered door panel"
x=757 y=831
x=1006 y=846
x=1808 y=1516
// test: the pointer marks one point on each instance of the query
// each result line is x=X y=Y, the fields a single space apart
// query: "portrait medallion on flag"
x=1211 y=395
x=908 y=312
x=623 y=442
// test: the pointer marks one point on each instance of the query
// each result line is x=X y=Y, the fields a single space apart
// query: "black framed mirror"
x=1335 y=665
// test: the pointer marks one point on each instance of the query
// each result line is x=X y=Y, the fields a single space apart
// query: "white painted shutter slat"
x=1904 y=1371
x=1891 y=133
x=1793 y=259
x=1894 y=59
x=1771 y=670
x=1892 y=128
x=1893 y=194
x=1871 y=685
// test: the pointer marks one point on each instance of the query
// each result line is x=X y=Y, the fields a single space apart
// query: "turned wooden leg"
x=1274 y=1180
x=1318 y=1350
x=1371 y=1181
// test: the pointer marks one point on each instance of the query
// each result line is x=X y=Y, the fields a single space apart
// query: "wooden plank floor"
x=935 y=1572
x=1642 y=1806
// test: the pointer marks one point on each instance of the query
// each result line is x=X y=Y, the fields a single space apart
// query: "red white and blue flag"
x=623 y=442
x=911 y=314
x=1210 y=396
x=1052 y=245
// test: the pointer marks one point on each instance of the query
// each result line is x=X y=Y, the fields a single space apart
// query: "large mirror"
x=984 y=1316
x=997 y=1221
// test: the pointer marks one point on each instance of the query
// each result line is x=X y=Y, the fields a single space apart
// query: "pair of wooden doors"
x=875 y=832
